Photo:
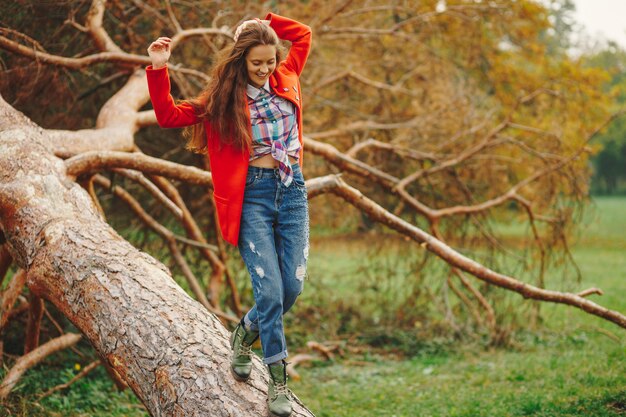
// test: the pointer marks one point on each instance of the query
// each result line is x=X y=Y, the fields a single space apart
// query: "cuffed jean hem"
x=252 y=326
x=275 y=358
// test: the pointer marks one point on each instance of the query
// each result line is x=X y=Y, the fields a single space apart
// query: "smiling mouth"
x=261 y=75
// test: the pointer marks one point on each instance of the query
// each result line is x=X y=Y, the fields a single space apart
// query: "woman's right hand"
x=160 y=52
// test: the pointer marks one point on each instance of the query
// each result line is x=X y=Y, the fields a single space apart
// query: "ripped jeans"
x=274 y=245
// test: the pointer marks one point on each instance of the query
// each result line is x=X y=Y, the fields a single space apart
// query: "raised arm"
x=298 y=34
x=168 y=113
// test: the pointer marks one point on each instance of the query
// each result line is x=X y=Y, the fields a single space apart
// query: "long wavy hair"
x=223 y=101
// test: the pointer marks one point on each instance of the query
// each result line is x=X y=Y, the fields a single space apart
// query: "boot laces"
x=281 y=389
x=245 y=350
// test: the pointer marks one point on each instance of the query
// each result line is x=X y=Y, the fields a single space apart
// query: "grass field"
x=573 y=364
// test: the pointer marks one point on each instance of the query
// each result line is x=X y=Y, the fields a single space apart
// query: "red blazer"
x=229 y=165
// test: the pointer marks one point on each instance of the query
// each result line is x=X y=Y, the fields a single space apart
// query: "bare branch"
x=152 y=189
x=297 y=360
x=491 y=315
x=35 y=314
x=91 y=162
x=590 y=291
x=363 y=10
x=146 y=118
x=95 y=28
x=189 y=33
x=339 y=159
x=9 y=296
x=33 y=358
x=74 y=63
x=172 y=16
x=338 y=187
x=465 y=300
x=326 y=31
x=365 y=125
x=397 y=88
x=487 y=141
x=149 y=9
x=232 y=284
x=86 y=61
x=400 y=150
x=93 y=365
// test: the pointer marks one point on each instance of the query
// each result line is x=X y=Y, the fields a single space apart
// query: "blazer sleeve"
x=168 y=113
x=298 y=34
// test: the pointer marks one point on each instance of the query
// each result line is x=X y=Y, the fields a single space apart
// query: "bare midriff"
x=267 y=161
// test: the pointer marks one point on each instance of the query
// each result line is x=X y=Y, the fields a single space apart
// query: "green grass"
x=573 y=365
x=92 y=396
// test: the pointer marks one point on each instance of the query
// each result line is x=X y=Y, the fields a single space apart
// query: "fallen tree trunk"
x=166 y=346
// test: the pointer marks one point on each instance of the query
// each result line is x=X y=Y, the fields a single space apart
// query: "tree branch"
x=33 y=358
x=335 y=185
x=35 y=314
x=14 y=289
x=83 y=372
x=91 y=162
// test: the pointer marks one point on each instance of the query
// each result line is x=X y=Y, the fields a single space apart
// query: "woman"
x=249 y=120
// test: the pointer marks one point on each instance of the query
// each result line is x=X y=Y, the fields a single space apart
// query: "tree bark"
x=166 y=346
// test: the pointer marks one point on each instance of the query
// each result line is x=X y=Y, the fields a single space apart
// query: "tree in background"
x=444 y=114
x=558 y=37
x=609 y=163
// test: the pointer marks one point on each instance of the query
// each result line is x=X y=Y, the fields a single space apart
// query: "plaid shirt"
x=274 y=129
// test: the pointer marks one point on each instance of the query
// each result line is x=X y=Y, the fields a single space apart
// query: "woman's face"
x=260 y=62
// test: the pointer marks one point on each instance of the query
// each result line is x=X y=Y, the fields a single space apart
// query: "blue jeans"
x=274 y=245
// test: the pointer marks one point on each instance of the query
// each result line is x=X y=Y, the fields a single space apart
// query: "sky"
x=603 y=19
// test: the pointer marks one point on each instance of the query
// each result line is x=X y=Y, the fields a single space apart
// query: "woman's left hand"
x=245 y=24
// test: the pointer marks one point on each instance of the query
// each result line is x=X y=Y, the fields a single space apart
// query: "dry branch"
x=14 y=289
x=35 y=314
x=91 y=162
x=94 y=27
x=93 y=365
x=193 y=231
x=297 y=360
x=397 y=88
x=402 y=151
x=73 y=63
x=33 y=358
x=337 y=186
x=325 y=352
x=465 y=300
x=152 y=189
x=119 y=58
x=590 y=291
x=491 y=316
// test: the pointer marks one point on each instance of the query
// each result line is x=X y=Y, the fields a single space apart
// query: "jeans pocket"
x=299 y=183
x=251 y=179
x=298 y=180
